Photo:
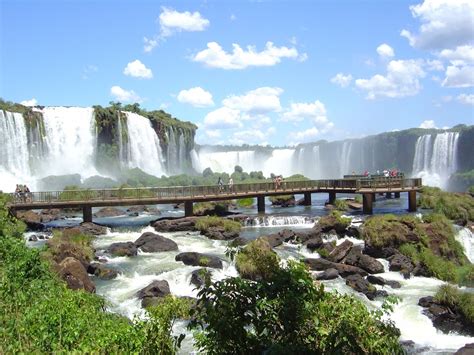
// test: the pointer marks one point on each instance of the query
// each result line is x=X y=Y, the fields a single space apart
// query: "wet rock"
x=153 y=293
x=31 y=219
x=467 y=349
x=219 y=233
x=359 y=284
x=402 y=263
x=340 y=251
x=283 y=200
x=274 y=239
x=353 y=232
x=91 y=228
x=376 y=280
x=379 y=252
x=52 y=214
x=353 y=205
x=331 y=222
x=152 y=243
x=381 y=293
x=198 y=277
x=198 y=259
x=33 y=238
x=109 y=212
x=74 y=273
x=321 y=264
x=422 y=270
x=314 y=243
x=238 y=242
x=366 y=262
x=175 y=225
x=328 y=274
x=313 y=234
x=122 y=249
x=101 y=271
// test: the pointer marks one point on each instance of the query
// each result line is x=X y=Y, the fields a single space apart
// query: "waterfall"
x=182 y=152
x=435 y=161
x=280 y=163
x=172 y=153
x=14 y=156
x=274 y=221
x=316 y=164
x=226 y=161
x=345 y=160
x=70 y=141
x=143 y=145
x=466 y=238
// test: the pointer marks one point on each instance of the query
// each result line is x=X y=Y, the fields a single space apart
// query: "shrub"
x=454 y=206
x=461 y=301
x=341 y=205
x=257 y=260
x=246 y=202
x=204 y=223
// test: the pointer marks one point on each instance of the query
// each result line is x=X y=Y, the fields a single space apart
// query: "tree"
x=238 y=169
x=207 y=172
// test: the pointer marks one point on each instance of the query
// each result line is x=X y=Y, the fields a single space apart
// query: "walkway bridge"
x=86 y=199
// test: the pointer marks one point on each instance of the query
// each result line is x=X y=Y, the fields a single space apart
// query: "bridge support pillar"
x=261 y=204
x=332 y=198
x=86 y=214
x=374 y=197
x=188 y=208
x=367 y=203
x=307 y=199
x=412 y=201
x=396 y=194
x=388 y=195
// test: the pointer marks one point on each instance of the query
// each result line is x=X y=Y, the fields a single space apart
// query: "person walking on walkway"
x=231 y=185
x=220 y=184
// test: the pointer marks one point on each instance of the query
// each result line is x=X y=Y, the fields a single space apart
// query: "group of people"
x=277 y=181
x=385 y=173
x=221 y=185
x=23 y=193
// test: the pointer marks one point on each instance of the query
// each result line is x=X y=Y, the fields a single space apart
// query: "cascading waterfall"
x=182 y=152
x=172 y=153
x=345 y=159
x=70 y=141
x=225 y=161
x=280 y=163
x=143 y=145
x=436 y=160
x=14 y=156
x=316 y=164
x=269 y=221
x=466 y=238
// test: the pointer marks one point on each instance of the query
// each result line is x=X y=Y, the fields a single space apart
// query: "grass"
x=204 y=223
x=217 y=208
x=461 y=301
x=341 y=205
x=257 y=260
x=69 y=242
x=281 y=199
x=246 y=202
x=454 y=206
x=358 y=198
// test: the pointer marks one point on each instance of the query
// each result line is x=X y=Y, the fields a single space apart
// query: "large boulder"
x=153 y=293
x=328 y=274
x=101 y=271
x=52 y=214
x=377 y=280
x=109 y=212
x=74 y=273
x=122 y=249
x=219 y=233
x=198 y=259
x=321 y=264
x=340 y=251
x=31 y=219
x=359 y=284
x=198 y=277
x=369 y=264
x=152 y=243
x=175 y=225
x=332 y=222
x=467 y=349
x=402 y=263
x=91 y=228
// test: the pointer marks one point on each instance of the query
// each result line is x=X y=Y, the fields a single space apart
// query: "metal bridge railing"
x=177 y=192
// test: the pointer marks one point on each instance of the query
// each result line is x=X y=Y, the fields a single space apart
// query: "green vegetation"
x=471 y=190
x=453 y=205
x=257 y=260
x=358 y=198
x=246 y=202
x=69 y=242
x=220 y=208
x=458 y=300
x=429 y=243
x=341 y=205
x=205 y=223
x=38 y=314
x=287 y=313
x=334 y=220
x=284 y=200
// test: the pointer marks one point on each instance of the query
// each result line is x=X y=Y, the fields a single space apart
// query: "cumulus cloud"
x=138 y=70
x=385 y=51
x=197 y=96
x=434 y=65
x=460 y=55
x=313 y=111
x=172 y=21
x=304 y=136
x=459 y=76
x=342 y=80
x=402 y=79
x=428 y=124
x=216 y=57
x=213 y=133
x=30 y=102
x=444 y=24
x=466 y=99
x=123 y=95
x=223 y=118
x=258 y=101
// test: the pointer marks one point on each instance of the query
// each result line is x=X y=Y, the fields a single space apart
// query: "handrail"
x=200 y=191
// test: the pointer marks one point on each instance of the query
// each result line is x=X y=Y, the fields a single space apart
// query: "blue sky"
x=316 y=69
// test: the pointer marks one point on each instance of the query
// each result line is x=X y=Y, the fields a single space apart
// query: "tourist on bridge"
x=231 y=185
x=220 y=184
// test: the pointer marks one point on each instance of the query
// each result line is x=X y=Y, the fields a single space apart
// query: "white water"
x=273 y=221
x=436 y=160
x=345 y=159
x=143 y=145
x=225 y=161
x=14 y=156
x=280 y=163
x=466 y=238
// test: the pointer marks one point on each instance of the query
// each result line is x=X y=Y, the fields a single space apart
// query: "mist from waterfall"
x=435 y=160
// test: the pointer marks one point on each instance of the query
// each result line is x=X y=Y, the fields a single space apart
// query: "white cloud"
x=342 y=80
x=402 y=79
x=30 y=102
x=260 y=100
x=197 y=96
x=233 y=17
x=314 y=111
x=428 y=124
x=460 y=55
x=223 y=118
x=213 y=133
x=459 y=76
x=307 y=135
x=123 y=95
x=385 y=51
x=444 y=24
x=467 y=99
x=88 y=70
x=216 y=57
x=434 y=65
x=172 y=21
x=138 y=70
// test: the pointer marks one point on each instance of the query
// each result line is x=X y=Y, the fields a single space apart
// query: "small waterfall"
x=143 y=145
x=173 y=151
x=14 y=156
x=182 y=152
x=436 y=160
x=70 y=141
x=275 y=221
x=466 y=238
x=195 y=160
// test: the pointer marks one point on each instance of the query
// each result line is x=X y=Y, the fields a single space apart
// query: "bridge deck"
x=179 y=194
